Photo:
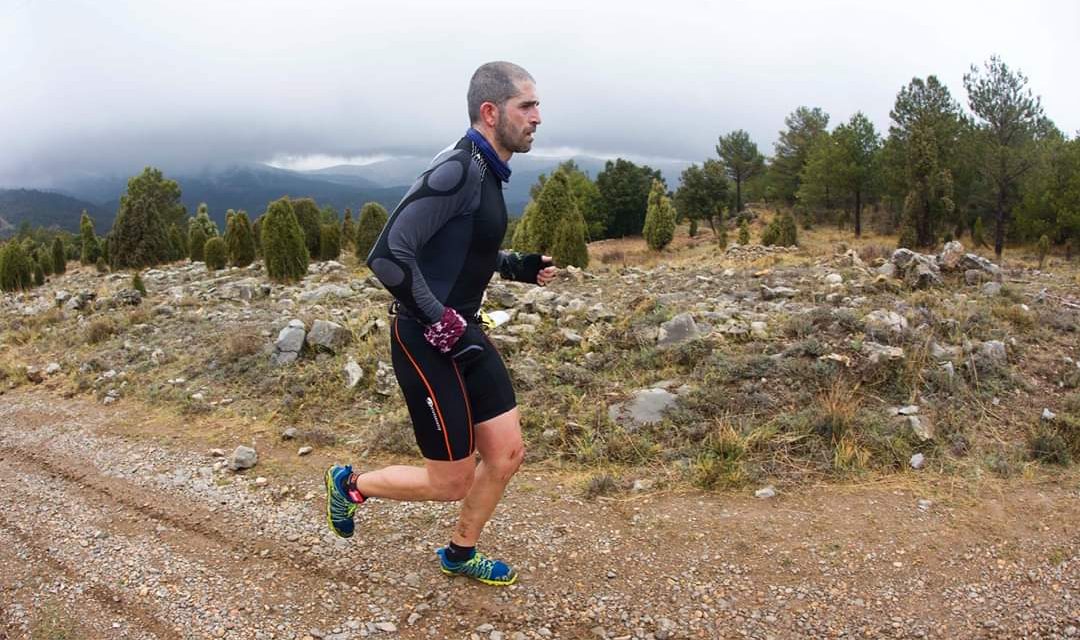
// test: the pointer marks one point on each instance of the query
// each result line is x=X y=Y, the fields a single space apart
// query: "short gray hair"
x=494 y=82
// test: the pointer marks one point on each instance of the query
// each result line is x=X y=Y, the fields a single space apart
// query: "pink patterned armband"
x=443 y=334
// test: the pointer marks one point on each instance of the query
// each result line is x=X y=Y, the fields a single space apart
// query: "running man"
x=436 y=255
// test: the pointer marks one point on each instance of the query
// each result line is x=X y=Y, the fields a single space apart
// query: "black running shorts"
x=446 y=399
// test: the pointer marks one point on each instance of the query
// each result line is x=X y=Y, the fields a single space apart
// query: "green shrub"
x=16 y=272
x=368 y=227
x=215 y=253
x=196 y=242
x=348 y=229
x=310 y=219
x=39 y=274
x=177 y=243
x=91 y=247
x=283 y=244
x=137 y=283
x=240 y=240
x=659 y=226
x=782 y=231
x=59 y=256
x=1044 y=249
x=569 y=248
x=744 y=232
x=101 y=265
x=330 y=242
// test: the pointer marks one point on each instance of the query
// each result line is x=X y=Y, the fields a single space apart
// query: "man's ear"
x=489 y=114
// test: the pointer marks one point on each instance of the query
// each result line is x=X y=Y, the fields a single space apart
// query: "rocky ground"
x=106 y=536
x=907 y=420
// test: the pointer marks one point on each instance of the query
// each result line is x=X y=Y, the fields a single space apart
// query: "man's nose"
x=535 y=119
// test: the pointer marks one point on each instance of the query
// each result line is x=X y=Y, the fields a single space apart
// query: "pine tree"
x=16 y=273
x=744 y=232
x=137 y=283
x=330 y=242
x=284 y=249
x=215 y=254
x=138 y=237
x=348 y=230
x=308 y=215
x=197 y=242
x=91 y=248
x=368 y=227
x=659 y=226
x=240 y=240
x=177 y=245
x=202 y=219
x=569 y=246
x=59 y=256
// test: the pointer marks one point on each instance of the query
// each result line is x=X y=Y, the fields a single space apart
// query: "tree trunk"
x=858 y=213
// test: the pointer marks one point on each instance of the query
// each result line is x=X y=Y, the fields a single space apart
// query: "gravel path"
x=110 y=537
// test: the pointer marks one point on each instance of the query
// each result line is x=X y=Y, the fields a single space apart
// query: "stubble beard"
x=507 y=140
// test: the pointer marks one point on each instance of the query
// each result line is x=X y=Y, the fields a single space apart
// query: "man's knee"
x=507 y=464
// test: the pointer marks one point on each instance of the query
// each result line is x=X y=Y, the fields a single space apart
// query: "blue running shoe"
x=479 y=567
x=339 y=509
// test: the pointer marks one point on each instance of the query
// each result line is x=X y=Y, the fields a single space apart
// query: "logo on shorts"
x=434 y=416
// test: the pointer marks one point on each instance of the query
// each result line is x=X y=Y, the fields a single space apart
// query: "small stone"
x=485 y=628
x=765 y=492
x=924 y=504
x=353 y=374
x=304 y=451
x=917 y=461
x=243 y=458
x=1048 y=415
x=413 y=617
x=289 y=433
x=217 y=453
x=260 y=481
x=53 y=367
x=909 y=410
x=388 y=627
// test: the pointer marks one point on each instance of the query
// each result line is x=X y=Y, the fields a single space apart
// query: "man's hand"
x=547 y=272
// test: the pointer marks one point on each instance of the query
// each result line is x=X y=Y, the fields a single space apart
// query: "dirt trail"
x=104 y=536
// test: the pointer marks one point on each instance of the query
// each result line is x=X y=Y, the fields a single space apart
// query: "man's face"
x=518 y=119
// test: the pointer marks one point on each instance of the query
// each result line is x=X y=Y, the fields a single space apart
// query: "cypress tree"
x=91 y=248
x=524 y=239
x=101 y=265
x=744 y=232
x=330 y=242
x=15 y=270
x=138 y=237
x=659 y=226
x=197 y=243
x=39 y=274
x=240 y=240
x=372 y=220
x=44 y=258
x=256 y=228
x=215 y=253
x=177 y=246
x=569 y=242
x=308 y=215
x=348 y=229
x=202 y=218
x=283 y=246
x=554 y=199
x=137 y=283
x=59 y=256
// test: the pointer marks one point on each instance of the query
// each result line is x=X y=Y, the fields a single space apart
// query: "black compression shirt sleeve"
x=449 y=188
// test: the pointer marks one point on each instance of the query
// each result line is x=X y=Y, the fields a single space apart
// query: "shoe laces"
x=479 y=566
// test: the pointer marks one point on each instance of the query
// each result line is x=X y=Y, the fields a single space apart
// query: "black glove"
x=470 y=346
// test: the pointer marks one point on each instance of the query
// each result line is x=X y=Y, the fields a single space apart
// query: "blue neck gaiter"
x=494 y=162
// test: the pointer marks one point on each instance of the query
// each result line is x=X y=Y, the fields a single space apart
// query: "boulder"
x=777 y=293
x=679 y=329
x=243 y=458
x=290 y=342
x=885 y=325
x=353 y=374
x=646 y=407
x=951 y=255
x=328 y=336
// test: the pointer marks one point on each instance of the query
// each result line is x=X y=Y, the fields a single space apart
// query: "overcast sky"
x=107 y=86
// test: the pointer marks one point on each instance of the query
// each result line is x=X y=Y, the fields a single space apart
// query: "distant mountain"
x=43 y=209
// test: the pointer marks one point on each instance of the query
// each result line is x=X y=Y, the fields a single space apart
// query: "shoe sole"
x=328 y=481
x=494 y=583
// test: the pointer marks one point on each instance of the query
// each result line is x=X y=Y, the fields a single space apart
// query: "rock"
x=1048 y=415
x=61 y=297
x=127 y=297
x=677 y=330
x=917 y=461
x=885 y=325
x=944 y=353
x=413 y=618
x=834 y=279
x=569 y=338
x=921 y=427
x=290 y=342
x=289 y=433
x=326 y=291
x=888 y=270
x=765 y=492
x=777 y=293
x=385 y=382
x=879 y=352
x=640 y=485
x=386 y=627
x=919 y=271
x=485 y=628
x=52 y=368
x=908 y=410
x=973 y=262
x=950 y=256
x=599 y=313
x=217 y=453
x=646 y=407
x=991 y=289
x=304 y=451
x=994 y=352
x=923 y=503
x=35 y=375
x=353 y=374
x=758 y=330
x=328 y=336
x=243 y=458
